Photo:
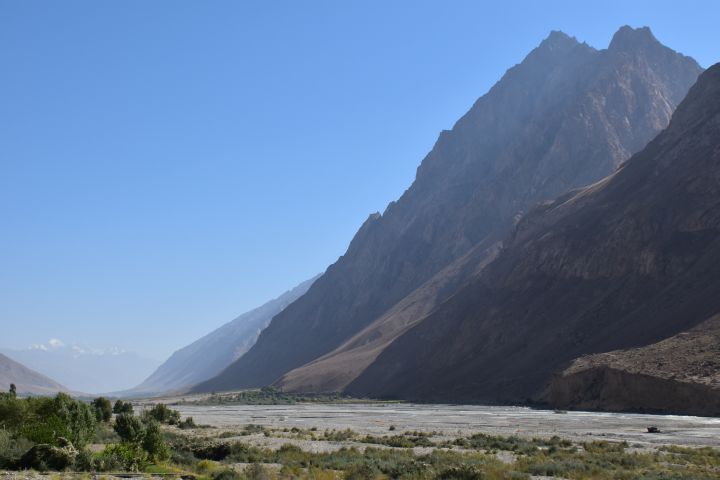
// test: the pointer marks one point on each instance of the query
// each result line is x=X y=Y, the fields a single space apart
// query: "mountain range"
x=85 y=369
x=567 y=116
x=211 y=354
x=26 y=381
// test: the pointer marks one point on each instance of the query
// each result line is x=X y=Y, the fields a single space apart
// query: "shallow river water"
x=466 y=419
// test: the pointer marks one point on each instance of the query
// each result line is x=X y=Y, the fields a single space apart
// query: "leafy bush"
x=121 y=457
x=85 y=461
x=45 y=420
x=226 y=474
x=360 y=472
x=339 y=435
x=49 y=457
x=206 y=466
x=188 y=423
x=105 y=433
x=163 y=414
x=461 y=473
x=400 y=441
x=251 y=429
x=11 y=449
x=130 y=428
x=257 y=471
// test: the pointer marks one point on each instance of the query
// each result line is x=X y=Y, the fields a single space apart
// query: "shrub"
x=360 y=472
x=212 y=451
x=206 y=466
x=257 y=471
x=11 y=449
x=187 y=423
x=130 y=428
x=163 y=414
x=226 y=474
x=84 y=462
x=104 y=433
x=123 y=456
x=49 y=457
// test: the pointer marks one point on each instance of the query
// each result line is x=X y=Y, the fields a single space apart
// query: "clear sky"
x=167 y=165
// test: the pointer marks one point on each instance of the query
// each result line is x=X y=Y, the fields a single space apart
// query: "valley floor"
x=463 y=420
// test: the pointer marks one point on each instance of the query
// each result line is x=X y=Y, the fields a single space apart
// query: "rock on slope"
x=566 y=116
x=627 y=262
x=27 y=381
x=208 y=356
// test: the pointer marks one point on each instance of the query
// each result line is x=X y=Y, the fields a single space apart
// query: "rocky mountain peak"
x=632 y=39
x=558 y=40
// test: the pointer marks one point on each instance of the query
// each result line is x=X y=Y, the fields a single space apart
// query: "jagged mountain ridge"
x=211 y=354
x=27 y=381
x=624 y=263
x=566 y=116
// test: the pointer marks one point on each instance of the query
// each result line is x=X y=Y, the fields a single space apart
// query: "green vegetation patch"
x=270 y=396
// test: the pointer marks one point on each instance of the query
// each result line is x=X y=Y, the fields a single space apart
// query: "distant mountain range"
x=210 y=355
x=26 y=381
x=83 y=368
x=567 y=116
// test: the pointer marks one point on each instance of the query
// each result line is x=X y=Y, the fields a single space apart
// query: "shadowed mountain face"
x=210 y=355
x=27 y=381
x=566 y=116
x=624 y=263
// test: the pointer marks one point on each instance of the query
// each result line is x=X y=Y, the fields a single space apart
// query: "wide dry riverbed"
x=460 y=420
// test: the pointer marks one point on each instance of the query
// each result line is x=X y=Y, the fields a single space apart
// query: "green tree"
x=154 y=442
x=13 y=412
x=122 y=407
x=13 y=390
x=130 y=428
x=48 y=419
x=103 y=409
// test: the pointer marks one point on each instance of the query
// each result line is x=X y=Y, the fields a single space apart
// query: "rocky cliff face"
x=627 y=262
x=211 y=354
x=680 y=374
x=566 y=116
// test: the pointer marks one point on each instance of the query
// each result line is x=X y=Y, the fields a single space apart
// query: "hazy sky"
x=167 y=165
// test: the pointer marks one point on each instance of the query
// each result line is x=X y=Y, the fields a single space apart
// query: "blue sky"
x=167 y=165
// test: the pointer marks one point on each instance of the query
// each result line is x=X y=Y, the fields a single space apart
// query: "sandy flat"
x=461 y=420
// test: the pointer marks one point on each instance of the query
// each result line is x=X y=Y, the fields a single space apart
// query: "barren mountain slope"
x=27 y=381
x=566 y=116
x=211 y=354
x=609 y=106
x=624 y=263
